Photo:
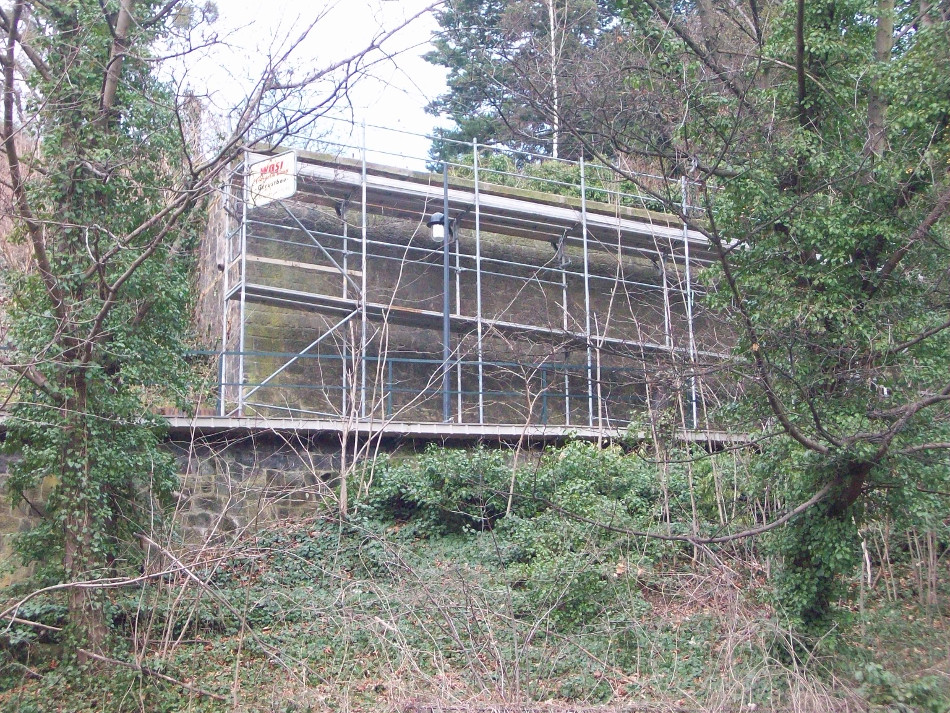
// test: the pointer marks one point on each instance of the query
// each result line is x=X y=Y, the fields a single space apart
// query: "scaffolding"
x=561 y=302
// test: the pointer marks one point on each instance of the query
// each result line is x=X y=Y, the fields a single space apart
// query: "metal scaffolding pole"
x=346 y=251
x=600 y=394
x=363 y=296
x=446 y=299
x=684 y=193
x=478 y=289
x=565 y=313
x=667 y=329
x=565 y=322
x=458 y=311
x=243 y=300
x=229 y=233
x=590 y=374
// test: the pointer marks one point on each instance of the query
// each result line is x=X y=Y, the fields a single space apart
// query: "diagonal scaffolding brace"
x=303 y=351
x=323 y=250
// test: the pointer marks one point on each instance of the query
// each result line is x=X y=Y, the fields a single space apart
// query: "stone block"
x=197 y=520
x=208 y=504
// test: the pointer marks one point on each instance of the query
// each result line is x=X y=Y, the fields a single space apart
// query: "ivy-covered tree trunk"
x=108 y=174
x=80 y=559
x=99 y=322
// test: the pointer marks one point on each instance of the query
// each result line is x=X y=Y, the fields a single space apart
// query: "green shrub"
x=442 y=491
x=888 y=690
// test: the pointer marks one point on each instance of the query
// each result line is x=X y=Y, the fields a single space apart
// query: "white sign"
x=271 y=178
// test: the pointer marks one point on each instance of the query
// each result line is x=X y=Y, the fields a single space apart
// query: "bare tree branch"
x=38 y=64
x=35 y=230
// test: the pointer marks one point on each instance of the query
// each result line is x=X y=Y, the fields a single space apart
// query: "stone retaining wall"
x=231 y=483
x=228 y=484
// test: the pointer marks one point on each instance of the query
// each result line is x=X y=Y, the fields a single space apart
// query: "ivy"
x=103 y=332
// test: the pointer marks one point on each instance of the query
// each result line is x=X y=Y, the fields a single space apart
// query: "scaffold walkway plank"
x=431 y=431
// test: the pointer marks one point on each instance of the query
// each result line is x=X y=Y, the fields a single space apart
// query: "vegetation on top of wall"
x=603 y=184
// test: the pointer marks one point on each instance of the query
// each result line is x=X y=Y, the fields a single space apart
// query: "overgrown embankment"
x=448 y=585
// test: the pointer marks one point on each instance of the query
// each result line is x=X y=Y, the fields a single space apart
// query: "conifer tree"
x=505 y=60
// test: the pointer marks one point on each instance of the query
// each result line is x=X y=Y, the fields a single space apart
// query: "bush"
x=442 y=491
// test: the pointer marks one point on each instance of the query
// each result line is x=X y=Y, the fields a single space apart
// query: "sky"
x=394 y=94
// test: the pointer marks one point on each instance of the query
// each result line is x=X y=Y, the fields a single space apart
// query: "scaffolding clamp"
x=562 y=259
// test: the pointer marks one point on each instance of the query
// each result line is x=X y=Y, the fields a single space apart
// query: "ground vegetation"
x=430 y=595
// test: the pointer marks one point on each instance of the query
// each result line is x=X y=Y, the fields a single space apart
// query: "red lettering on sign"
x=273 y=168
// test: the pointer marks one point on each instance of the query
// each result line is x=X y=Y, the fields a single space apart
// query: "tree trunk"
x=555 y=117
x=120 y=46
x=79 y=556
x=85 y=605
x=852 y=481
x=883 y=44
x=712 y=26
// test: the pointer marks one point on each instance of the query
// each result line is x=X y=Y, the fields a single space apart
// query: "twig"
x=27 y=670
x=34 y=624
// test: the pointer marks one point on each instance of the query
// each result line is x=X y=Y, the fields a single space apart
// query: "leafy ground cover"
x=434 y=590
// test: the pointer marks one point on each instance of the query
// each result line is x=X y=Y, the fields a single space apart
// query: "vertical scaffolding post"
x=684 y=193
x=544 y=395
x=364 y=269
x=221 y=378
x=667 y=330
x=478 y=289
x=389 y=388
x=446 y=298
x=600 y=394
x=587 y=335
x=345 y=350
x=229 y=232
x=564 y=325
x=243 y=300
x=458 y=311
